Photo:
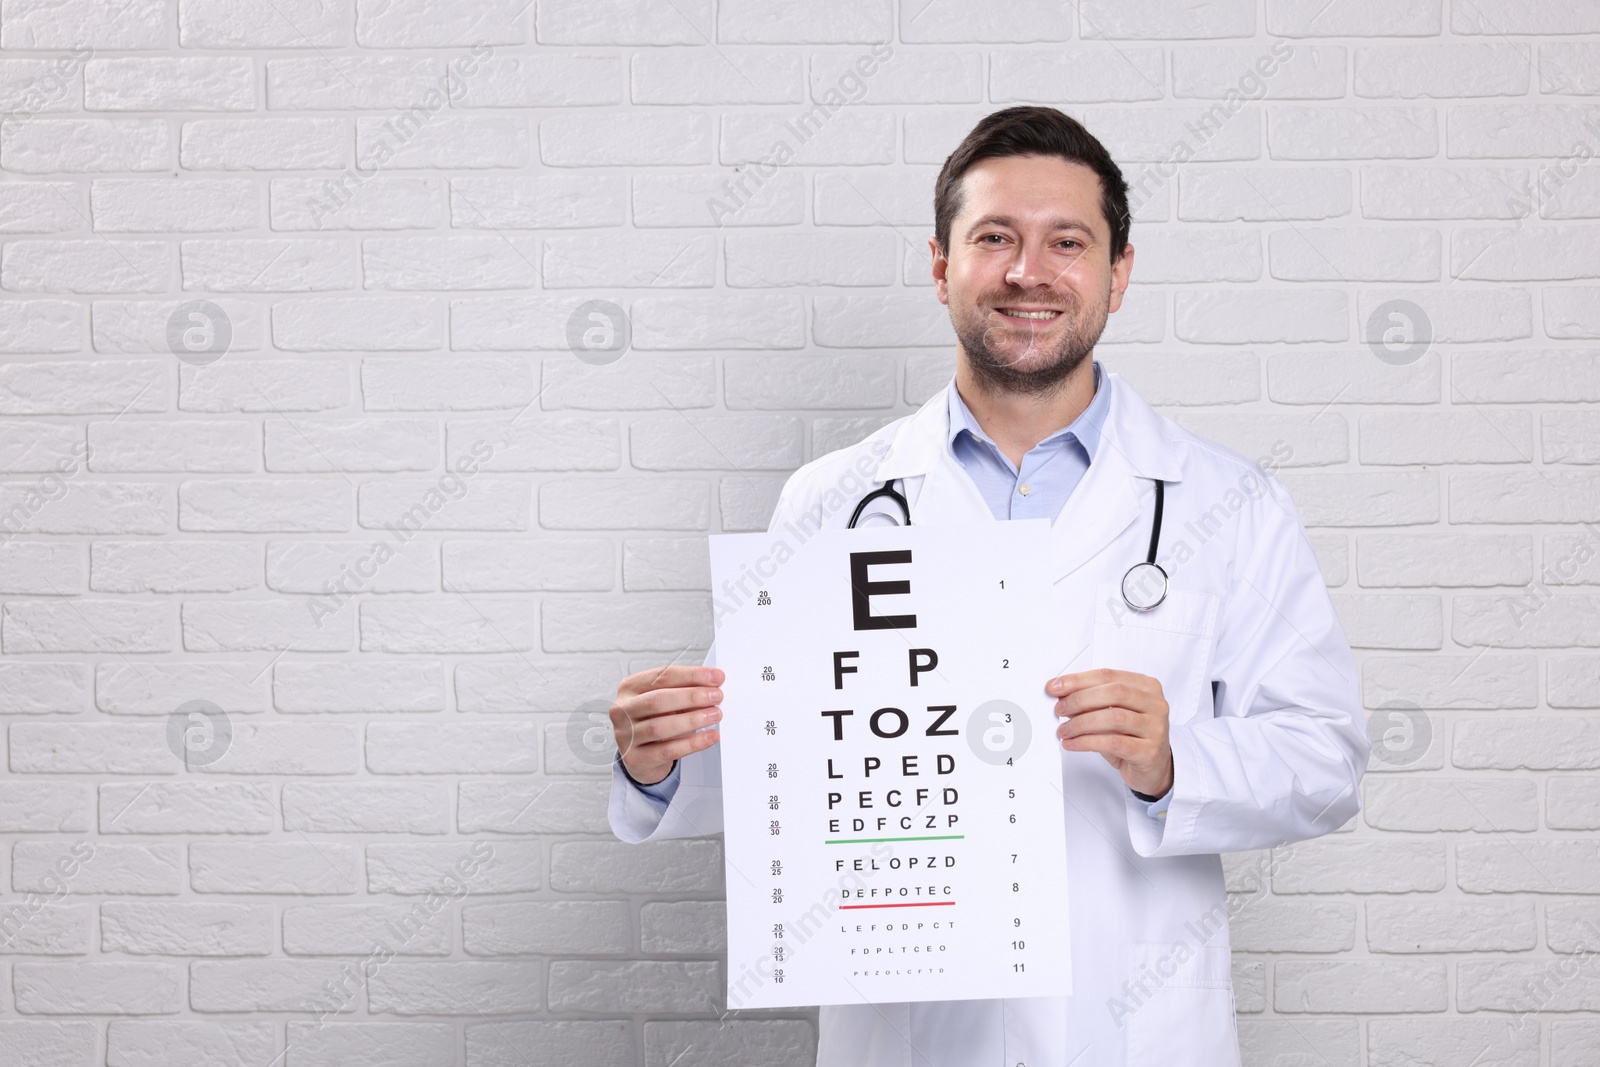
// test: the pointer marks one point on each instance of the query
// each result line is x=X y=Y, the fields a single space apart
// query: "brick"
x=364 y=324
x=623 y=139
x=456 y=988
x=39 y=926
x=415 y=24
x=1461 y=560
x=149 y=688
x=1528 y=866
x=464 y=748
x=104 y=988
x=271 y=985
x=590 y=624
x=501 y=1044
x=1570 y=925
x=1304 y=133
x=375 y=686
x=1391 y=622
x=1446 y=71
x=1572 y=681
x=1483 y=681
x=448 y=502
x=434 y=626
x=366 y=808
x=550 y=443
x=261 y=625
x=88 y=626
x=159 y=83
x=614 y=867
x=277 y=386
x=1572 y=311
x=1572 y=803
x=830 y=22
x=1529 y=620
x=1427 y=805
x=625 y=504
x=550 y=80
x=547 y=926
x=688 y=927
x=679 y=76
x=645 y=985
x=409 y=929
x=1292 y=925
x=44 y=807
x=93 y=146
x=517 y=685
x=327 y=445
x=189 y=928
x=546 y=807
x=1509 y=131
x=450 y=384
x=335 y=204
x=291 y=748
x=281 y=867
x=337 y=1044
x=1543 y=743
x=1391 y=1042
x=1450 y=926
x=640 y=23
x=188 y=808
x=1401 y=192
x=144 y=869
x=1280 y=1042
x=1367 y=498
x=1261 y=316
x=1075 y=75
x=300 y=24
x=749 y=199
x=528 y=566
x=1362 y=867
x=482 y=866
x=264 y=505
x=173 y=567
x=1524 y=985
x=340 y=568
x=42 y=1043
x=1361 y=986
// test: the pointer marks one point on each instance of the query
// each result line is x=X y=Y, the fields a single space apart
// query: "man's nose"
x=1028 y=268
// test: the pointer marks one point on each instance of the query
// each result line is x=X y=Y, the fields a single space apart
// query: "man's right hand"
x=657 y=714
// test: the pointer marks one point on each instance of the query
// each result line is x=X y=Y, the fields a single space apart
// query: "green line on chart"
x=865 y=840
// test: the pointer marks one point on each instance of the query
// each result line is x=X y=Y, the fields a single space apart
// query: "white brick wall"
x=402 y=540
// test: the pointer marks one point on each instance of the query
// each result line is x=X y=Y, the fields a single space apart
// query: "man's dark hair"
x=1031 y=131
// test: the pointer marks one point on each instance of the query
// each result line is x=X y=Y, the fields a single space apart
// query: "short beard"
x=996 y=375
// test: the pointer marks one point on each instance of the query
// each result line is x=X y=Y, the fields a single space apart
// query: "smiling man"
x=1211 y=706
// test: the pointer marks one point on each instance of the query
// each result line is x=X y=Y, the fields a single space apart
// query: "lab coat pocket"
x=1172 y=643
x=1181 y=1007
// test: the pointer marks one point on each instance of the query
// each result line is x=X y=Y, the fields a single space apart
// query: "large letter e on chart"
x=861 y=590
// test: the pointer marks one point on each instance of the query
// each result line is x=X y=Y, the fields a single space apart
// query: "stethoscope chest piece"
x=1144 y=586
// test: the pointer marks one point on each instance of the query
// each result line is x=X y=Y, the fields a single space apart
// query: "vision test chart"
x=891 y=777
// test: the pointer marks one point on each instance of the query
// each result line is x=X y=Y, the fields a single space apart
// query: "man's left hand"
x=1122 y=716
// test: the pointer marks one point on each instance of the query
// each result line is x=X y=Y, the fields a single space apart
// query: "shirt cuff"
x=1156 y=808
x=662 y=790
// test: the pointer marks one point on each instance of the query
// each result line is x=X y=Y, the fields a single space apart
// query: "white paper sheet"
x=891 y=776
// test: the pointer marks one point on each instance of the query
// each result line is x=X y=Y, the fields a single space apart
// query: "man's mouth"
x=1032 y=314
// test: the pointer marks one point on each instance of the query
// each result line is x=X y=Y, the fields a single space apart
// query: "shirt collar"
x=1085 y=429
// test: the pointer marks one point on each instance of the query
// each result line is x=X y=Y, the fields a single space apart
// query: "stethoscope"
x=1143 y=587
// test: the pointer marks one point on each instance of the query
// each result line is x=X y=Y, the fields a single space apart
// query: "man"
x=1224 y=718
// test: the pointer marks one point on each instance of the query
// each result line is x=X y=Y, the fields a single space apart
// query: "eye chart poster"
x=891 y=780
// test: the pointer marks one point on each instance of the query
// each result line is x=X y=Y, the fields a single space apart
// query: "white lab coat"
x=1277 y=757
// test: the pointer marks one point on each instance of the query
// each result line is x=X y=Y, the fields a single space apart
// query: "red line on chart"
x=923 y=904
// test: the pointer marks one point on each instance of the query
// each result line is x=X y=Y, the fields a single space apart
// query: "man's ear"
x=1121 y=271
x=941 y=264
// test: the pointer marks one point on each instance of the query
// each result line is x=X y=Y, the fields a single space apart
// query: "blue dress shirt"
x=1039 y=488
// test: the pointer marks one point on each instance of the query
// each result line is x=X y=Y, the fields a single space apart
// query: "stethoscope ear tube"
x=883 y=490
